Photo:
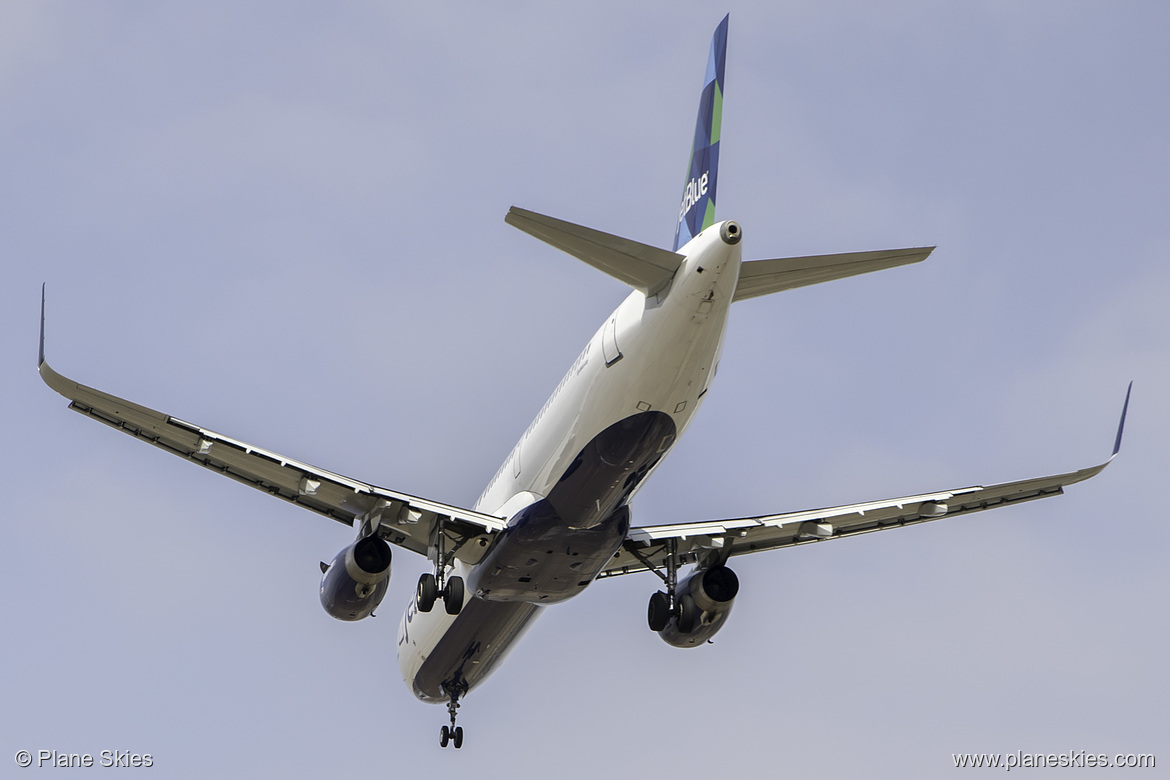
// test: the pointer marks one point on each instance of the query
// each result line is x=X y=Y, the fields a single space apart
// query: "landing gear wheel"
x=427 y=592
x=452 y=733
x=688 y=613
x=453 y=595
x=658 y=614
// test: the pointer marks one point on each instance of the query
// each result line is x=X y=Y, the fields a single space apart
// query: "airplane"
x=556 y=516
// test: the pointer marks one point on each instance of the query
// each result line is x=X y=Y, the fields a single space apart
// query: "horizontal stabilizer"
x=641 y=266
x=761 y=277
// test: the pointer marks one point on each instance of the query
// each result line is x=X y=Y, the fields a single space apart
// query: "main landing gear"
x=660 y=612
x=452 y=733
x=664 y=606
x=432 y=586
x=429 y=590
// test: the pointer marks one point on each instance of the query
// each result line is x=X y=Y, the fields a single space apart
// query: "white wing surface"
x=404 y=520
x=650 y=546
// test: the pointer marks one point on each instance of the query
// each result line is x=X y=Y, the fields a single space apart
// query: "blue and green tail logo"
x=697 y=210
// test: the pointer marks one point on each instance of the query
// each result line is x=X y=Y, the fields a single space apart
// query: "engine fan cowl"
x=713 y=591
x=356 y=582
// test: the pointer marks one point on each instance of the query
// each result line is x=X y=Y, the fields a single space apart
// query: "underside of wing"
x=649 y=547
x=401 y=519
x=762 y=277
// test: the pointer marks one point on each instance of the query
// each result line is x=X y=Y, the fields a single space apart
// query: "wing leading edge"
x=404 y=520
x=649 y=547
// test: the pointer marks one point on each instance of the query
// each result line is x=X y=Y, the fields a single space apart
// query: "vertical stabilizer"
x=697 y=210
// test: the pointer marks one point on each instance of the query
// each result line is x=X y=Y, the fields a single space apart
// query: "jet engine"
x=702 y=603
x=355 y=583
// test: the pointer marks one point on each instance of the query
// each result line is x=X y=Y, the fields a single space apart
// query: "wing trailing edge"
x=650 y=546
x=401 y=519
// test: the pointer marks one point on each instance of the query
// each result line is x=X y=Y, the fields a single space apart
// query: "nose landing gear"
x=447 y=735
x=452 y=733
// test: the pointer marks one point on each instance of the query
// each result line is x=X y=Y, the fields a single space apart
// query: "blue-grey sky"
x=284 y=221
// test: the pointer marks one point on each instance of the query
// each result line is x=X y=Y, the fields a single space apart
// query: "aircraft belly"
x=555 y=547
x=669 y=349
x=662 y=374
x=471 y=647
x=550 y=551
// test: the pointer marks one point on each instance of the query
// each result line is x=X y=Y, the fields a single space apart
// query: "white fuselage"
x=653 y=354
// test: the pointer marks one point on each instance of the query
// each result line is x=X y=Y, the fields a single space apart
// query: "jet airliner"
x=556 y=517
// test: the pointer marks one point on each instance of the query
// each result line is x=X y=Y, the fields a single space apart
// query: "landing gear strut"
x=664 y=606
x=432 y=586
x=452 y=733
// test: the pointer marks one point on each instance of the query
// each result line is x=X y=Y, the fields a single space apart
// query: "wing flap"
x=741 y=536
x=402 y=519
x=762 y=277
x=650 y=546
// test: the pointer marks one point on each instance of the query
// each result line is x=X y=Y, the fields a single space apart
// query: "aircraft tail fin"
x=697 y=210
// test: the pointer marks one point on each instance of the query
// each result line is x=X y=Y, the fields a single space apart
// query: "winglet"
x=41 y=350
x=1121 y=425
x=51 y=378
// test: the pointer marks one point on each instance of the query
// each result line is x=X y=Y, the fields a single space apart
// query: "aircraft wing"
x=401 y=519
x=649 y=547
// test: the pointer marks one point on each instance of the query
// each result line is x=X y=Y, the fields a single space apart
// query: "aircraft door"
x=609 y=345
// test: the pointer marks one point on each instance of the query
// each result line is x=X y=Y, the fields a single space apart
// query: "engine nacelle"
x=713 y=591
x=356 y=582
